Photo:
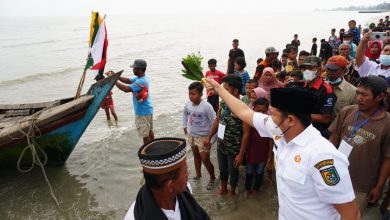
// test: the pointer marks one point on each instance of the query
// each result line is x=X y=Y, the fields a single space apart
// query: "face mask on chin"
x=273 y=128
x=336 y=81
x=309 y=75
x=385 y=59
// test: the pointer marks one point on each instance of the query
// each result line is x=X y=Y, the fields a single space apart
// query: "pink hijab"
x=260 y=93
x=273 y=83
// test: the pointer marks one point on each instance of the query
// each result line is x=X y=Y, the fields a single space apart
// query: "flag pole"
x=81 y=83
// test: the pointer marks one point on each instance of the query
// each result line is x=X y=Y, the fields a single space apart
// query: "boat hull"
x=58 y=137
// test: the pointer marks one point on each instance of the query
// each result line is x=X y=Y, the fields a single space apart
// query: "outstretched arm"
x=240 y=109
x=361 y=50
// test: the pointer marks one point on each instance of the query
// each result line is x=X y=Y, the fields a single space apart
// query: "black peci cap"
x=293 y=100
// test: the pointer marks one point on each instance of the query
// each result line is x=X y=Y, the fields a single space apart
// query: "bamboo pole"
x=81 y=83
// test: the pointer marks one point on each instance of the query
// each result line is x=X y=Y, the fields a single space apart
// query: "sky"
x=83 y=7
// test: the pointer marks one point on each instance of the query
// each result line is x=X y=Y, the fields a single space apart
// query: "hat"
x=269 y=50
x=162 y=155
x=139 y=63
x=311 y=61
x=293 y=100
x=348 y=34
x=336 y=62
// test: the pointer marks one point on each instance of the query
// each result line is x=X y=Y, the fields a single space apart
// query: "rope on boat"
x=35 y=151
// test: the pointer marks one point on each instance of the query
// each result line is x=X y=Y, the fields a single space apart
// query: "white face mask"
x=346 y=41
x=272 y=128
x=309 y=75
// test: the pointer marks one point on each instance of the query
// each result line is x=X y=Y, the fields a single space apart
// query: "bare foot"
x=196 y=177
x=232 y=193
x=221 y=192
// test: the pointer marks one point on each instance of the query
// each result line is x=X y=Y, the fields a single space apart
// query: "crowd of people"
x=320 y=122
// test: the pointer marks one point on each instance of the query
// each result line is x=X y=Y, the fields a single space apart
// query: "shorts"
x=144 y=124
x=198 y=142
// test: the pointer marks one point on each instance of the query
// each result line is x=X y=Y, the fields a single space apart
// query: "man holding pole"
x=139 y=86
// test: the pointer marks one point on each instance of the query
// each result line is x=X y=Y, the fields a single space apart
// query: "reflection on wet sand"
x=26 y=196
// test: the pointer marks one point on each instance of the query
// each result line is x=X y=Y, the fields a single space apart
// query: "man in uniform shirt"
x=323 y=108
x=166 y=193
x=312 y=176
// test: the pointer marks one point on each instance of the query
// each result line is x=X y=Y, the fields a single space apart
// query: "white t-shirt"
x=371 y=68
x=171 y=214
x=311 y=174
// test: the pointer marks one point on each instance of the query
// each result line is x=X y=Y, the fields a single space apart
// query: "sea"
x=42 y=59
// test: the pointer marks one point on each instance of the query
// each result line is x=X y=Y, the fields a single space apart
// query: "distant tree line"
x=382 y=6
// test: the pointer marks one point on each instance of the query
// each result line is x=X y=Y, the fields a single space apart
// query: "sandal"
x=210 y=185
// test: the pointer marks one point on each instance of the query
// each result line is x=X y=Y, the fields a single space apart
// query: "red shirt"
x=216 y=75
x=257 y=150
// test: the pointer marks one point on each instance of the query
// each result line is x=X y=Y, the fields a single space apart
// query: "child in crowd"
x=250 y=85
x=217 y=75
x=259 y=153
x=239 y=70
x=198 y=117
x=292 y=63
x=108 y=102
x=314 y=47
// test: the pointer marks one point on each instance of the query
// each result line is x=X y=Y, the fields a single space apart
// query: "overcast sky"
x=83 y=7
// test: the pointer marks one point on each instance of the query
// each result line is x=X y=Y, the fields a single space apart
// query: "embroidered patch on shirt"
x=323 y=163
x=330 y=176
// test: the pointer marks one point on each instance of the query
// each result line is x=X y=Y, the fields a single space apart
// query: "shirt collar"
x=305 y=136
x=341 y=86
x=317 y=84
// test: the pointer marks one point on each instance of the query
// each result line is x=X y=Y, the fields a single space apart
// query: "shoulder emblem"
x=330 y=176
x=323 y=163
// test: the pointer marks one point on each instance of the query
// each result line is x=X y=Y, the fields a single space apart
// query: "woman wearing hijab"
x=268 y=81
x=374 y=50
x=256 y=94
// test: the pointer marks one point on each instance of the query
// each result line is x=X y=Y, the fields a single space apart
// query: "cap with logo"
x=336 y=62
x=139 y=63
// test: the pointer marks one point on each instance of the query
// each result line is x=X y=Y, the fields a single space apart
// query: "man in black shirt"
x=233 y=54
x=323 y=110
x=296 y=43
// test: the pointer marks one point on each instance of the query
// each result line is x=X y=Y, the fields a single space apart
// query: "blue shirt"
x=141 y=108
x=244 y=77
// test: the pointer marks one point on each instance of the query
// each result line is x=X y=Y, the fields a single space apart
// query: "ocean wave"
x=30 y=43
x=135 y=35
x=36 y=76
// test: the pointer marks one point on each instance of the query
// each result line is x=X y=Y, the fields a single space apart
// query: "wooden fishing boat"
x=53 y=127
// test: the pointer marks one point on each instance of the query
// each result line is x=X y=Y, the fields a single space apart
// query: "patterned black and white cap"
x=162 y=155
